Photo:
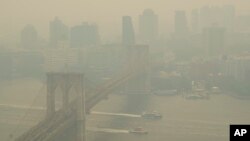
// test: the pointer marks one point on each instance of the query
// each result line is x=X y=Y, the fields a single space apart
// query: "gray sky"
x=106 y=13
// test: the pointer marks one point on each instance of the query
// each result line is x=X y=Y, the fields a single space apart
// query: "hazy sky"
x=106 y=13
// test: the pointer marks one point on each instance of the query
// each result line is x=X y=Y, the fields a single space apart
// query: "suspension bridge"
x=72 y=113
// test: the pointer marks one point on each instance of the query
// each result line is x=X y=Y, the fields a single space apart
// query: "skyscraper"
x=215 y=15
x=181 y=24
x=59 y=32
x=128 y=34
x=141 y=83
x=195 y=20
x=214 y=40
x=205 y=17
x=84 y=35
x=229 y=17
x=148 y=26
x=29 y=37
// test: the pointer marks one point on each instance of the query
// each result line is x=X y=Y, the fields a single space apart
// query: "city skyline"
x=123 y=70
x=93 y=12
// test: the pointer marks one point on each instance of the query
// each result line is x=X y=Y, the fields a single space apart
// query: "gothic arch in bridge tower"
x=65 y=82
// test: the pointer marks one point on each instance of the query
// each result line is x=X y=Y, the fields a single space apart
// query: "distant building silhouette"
x=29 y=37
x=242 y=23
x=214 y=40
x=181 y=24
x=141 y=83
x=84 y=35
x=6 y=63
x=148 y=26
x=229 y=17
x=59 y=32
x=222 y=16
x=128 y=34
x=238 y=66
x=195 y=20
x=205 y=17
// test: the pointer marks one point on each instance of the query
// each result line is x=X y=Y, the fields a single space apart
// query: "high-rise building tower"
x=215 y=15
x=29 y=37
x=59 y=32
x=181 y=24
x=205 y=17
x=229 y=17
x=128 y=34
x=195 y=20
x=140 y=84
x=148 y=26
x=84 y=35
x=214 y=40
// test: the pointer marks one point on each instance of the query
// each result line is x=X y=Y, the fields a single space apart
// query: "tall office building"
x=59 y=32
x=6 y=63
x=181 y=24
x=205 y=17
x=195 y=20
x=128 y=34
x=84 y=35
x=29 y=37
x=214 y=40
x=221 y=16
x=141 y=83
x=242 y=23
x=229 y=17
x=148 y=26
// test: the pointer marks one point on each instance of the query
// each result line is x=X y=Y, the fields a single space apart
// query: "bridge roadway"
x=48 y=129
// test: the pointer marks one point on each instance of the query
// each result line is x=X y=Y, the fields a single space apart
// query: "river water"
x=183 y=120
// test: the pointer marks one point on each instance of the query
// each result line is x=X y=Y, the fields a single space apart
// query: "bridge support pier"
x=50 y=95
x=66 y=82
x=65 y=91
x=81 y=115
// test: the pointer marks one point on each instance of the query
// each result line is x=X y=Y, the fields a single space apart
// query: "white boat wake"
x=20 y=107
x=116 y=114
x=107 y=130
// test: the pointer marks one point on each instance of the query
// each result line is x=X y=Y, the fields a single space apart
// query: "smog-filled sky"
x=15 y=14
x=109 y=70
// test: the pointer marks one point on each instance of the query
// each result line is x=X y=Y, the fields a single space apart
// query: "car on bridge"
x=138 y=130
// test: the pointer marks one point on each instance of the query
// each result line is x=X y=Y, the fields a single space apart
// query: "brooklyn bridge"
x=72 y=114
